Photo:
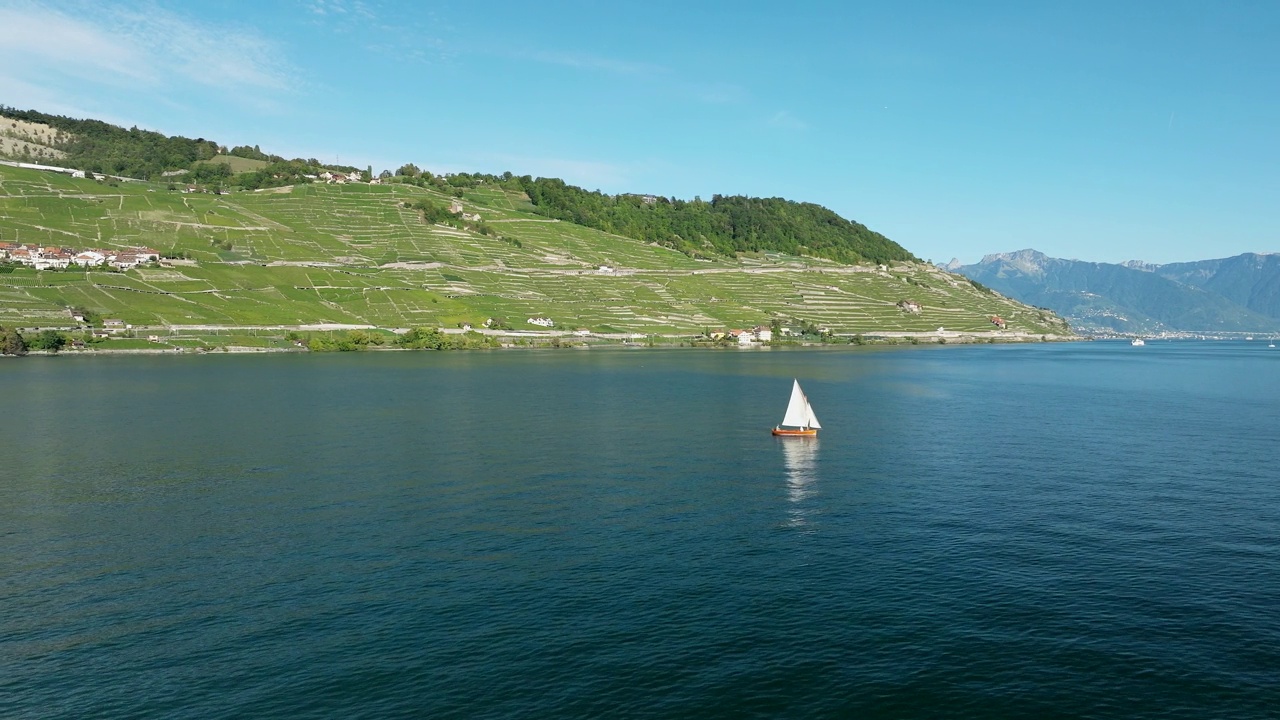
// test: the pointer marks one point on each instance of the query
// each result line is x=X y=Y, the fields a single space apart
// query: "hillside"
x=237 y=164
x=1251 y=280
x=725 y=226
x=31 y=142
x=100 y=147
x=362 y=254
x=1134 y=298
x=95 y=146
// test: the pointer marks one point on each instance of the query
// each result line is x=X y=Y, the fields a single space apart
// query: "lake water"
x=1079 y=530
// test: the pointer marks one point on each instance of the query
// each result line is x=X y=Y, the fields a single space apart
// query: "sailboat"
x=799 y=420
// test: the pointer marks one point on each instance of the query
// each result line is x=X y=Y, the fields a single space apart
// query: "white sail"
x=813 y=419
x=797 y=408
x=799 y=414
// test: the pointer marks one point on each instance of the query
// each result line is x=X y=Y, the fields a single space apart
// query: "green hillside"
x=358 y=254
x=104 y=148
x=99 y=147
x=237 y=164
x=724 y=226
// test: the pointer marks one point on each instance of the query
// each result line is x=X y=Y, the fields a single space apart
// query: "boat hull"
x=783 y=432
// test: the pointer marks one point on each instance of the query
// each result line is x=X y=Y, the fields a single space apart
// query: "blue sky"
x=1094 y=130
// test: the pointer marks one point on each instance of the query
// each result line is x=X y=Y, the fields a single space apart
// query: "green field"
x=355 y=255
x=239 y=164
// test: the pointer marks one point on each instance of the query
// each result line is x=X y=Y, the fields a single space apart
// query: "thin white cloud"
x=62 y=47
x=24 y=95
x=785 y=120
x=718 y=93
x=594 y=62
x=222 y=57
x=339 y=8
x=417 y=34
x=654 y=74
x=34 y=37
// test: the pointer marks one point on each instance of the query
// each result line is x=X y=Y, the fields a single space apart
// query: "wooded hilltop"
x=725 y=225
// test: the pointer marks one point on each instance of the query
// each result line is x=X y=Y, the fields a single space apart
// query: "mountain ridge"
x=1236 y=294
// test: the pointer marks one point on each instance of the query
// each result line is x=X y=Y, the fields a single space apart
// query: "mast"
x=810 y=419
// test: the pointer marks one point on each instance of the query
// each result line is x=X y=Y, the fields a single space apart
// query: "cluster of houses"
x=757 y=334
x=541 y=321
x=339 y=178
x=46 y=258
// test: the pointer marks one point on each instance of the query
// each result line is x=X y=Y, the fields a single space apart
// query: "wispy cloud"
x=785 y=120
x=143 y=48
x=415 y=34
x=594 y=62
x=19 y=93
x=34 y=37
x=654 y=74
x=718 y=93
x=341 y=8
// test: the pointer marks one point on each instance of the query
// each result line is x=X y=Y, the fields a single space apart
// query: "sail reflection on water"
x=801 y=461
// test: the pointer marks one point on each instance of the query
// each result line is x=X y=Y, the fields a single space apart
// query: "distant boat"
x=1249 y=337
x=799 y=420
x=1138 y=342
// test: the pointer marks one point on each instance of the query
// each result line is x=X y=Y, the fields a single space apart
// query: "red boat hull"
x=780 y=432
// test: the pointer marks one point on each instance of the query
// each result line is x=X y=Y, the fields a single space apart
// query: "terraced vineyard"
x=355 y=254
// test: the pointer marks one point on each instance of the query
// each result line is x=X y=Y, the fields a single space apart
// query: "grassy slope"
x=238 y=164
x=352 y=254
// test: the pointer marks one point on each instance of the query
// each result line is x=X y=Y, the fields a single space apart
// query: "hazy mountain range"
x=1235 y=294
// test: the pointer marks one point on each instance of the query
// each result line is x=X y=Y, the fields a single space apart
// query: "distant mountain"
x=1251 y=280
x=1240 y=294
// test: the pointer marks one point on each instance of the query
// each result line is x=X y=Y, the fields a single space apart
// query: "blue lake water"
x=1079 y=530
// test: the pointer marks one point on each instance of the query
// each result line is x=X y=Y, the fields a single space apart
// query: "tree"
x=11 y=342
x=109 y=149
x=49 y=341
x=209 y=174
x=432 y=212
x=727 y=225
x=252 y=153
x=424 y=339
x=409 y=170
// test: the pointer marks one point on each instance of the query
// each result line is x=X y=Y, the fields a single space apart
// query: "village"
x=57 y=258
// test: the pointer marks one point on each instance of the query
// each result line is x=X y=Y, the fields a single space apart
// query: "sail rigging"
x=799 y=411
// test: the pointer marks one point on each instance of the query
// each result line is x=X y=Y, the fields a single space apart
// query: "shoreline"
x=879 y=340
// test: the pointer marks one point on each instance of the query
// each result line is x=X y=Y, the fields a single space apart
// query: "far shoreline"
x=876 y=341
